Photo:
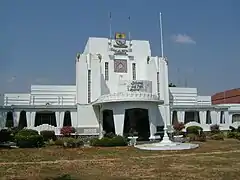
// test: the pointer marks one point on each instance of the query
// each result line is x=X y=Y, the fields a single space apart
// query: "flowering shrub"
x=67 y=130
x=179 y=126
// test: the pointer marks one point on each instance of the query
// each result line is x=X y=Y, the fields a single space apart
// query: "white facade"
x=117 y=76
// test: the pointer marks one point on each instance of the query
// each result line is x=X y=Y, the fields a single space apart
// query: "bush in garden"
x=5 y=135
x=47 y=135
x=195 y=137
x=109 y=142
x=178 y=126
x=194 y=130
x=215 y=129
x=67 y=130
x=72 y=142
x=217 y=136
x=232 y=134
x=110 y=135
x=59 y=142
x=28 y=138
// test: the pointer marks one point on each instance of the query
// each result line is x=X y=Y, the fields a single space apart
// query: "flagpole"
x=161 y=33
x=129 y=33
x=110 y=25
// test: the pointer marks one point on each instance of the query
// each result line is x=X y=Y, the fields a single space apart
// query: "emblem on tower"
x=120 y=39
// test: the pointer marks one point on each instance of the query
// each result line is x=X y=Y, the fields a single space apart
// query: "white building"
x=119 y=86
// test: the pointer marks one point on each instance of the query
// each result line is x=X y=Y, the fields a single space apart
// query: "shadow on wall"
x=104 y=87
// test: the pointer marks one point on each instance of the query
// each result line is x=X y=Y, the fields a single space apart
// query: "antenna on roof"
x=129 y=33
x=110 y=25
x=161 y=33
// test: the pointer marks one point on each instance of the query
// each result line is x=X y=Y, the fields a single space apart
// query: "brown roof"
x=229 y=96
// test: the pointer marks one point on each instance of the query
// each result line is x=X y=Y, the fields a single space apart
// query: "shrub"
x=72 y=142
x=109 y=142
x=195 y=137
x=194 y=130
x=28 y=138
x=27 y=132
x=238 y=136
x=67 y=130
x=215 y=129
x=232 y=134
x=218 y=136
x=5 y=135
x=178 y=126
x=110 y=135
x=47 y=135
x=59 y=142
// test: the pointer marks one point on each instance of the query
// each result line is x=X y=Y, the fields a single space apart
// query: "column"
x=218 y=117
x=226 y=117
x=32 y=119
x=118 y=114
x=28 y=114
x=74 y=118
x=203 y=117
x=16 y=116
x=57 y=114
x=181 y=116
x=61 y=117
x=213 y=117
x=152 y=122
x=3 y=116
x=171 y=117
x=101 y=125
x=230 y=119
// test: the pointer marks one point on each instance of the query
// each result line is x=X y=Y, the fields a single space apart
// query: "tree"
x=172 y=85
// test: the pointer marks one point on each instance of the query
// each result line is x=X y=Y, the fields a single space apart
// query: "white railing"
x=127 y=96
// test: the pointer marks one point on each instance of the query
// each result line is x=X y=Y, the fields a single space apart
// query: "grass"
x=213 y=160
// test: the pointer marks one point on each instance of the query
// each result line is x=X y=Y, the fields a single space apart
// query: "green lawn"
x=212 y=160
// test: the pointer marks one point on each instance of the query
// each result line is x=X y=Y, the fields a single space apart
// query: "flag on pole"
x=110 y=15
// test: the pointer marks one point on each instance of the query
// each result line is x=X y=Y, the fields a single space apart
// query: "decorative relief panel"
x=120 y=66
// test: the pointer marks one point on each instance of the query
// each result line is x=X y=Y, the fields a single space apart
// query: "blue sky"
x=39 y=39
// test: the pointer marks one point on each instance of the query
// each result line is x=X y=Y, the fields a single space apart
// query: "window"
x=134 y=71
x=158 y=83
x=89 y=86
x=106 y=71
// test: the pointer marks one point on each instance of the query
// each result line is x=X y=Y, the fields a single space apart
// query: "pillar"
x=181 y=116
x=57 y=114
x=32 y=119
x=16 y=116
x=171 y=117
x=74 y=118
x=61 y=118
x=28 y=114
x=203 y=117
x=152 y=122
x=3 y=119
x=218 y=117
x=230 y=119
x=118 y=115
x=101 y=124
x=226 y=117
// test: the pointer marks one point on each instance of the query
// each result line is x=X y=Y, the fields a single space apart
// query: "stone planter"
x=133 y=140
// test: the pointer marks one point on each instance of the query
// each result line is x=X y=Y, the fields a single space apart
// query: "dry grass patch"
x=213 y=160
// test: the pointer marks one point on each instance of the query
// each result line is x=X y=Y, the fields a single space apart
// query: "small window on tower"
x=89 y=86
x=106 y=71
x=134 y=71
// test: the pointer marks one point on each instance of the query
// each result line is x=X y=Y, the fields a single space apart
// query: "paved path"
x=117 y=159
